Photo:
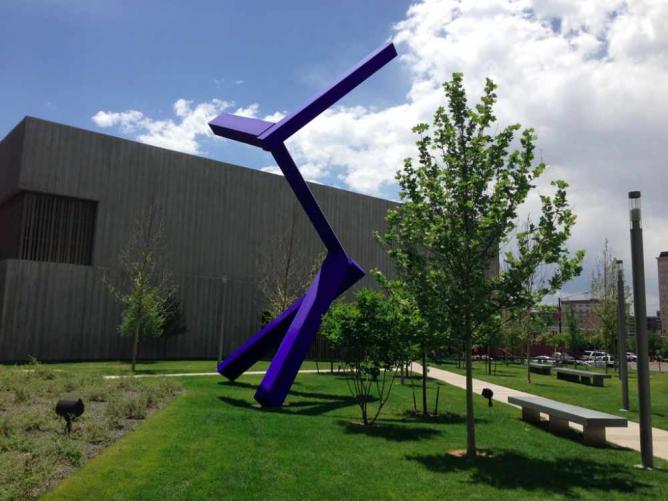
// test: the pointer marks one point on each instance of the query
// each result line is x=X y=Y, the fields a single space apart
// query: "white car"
x=631 y=357
x=601 y=361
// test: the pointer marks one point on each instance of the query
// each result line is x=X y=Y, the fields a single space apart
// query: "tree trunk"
x=470 y=418
x=425 y=411
x=135 y=349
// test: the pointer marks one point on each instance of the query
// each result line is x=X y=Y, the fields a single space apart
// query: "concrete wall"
x=218 y=219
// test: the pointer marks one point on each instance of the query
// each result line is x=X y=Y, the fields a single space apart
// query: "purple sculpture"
x=292 y=332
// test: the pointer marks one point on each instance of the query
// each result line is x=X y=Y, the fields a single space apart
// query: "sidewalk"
x=624 y=437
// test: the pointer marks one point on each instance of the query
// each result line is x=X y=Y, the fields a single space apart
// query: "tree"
x=285 y=269
x=604 y=294
x=145 y=286
x=574 y=337
x=461 y=199
x=373 y=336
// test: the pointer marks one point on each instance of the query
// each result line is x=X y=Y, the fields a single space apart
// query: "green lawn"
x=212 y=443
x=606 y=399
x=157 y=367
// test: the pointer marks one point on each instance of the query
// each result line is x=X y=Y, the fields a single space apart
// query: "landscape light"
x=488 y=394
x=69 y=409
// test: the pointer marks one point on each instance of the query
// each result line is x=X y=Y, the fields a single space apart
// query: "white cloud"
x=248 y=111
x=272 y=169
x=183 y=134
x=591 y=77
x=126 y=120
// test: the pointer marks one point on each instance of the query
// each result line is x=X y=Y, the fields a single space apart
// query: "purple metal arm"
x=294 y=329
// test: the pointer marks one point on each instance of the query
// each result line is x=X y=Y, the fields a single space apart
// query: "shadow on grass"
x=391 y=432
x=571 y=434
x=309 y=404
x=512 y=470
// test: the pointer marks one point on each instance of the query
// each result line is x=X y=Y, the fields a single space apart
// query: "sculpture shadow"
x=309 y=404
x=512 y=470
x=392 y=432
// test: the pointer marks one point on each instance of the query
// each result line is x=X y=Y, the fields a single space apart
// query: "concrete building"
x=68 y=198
x=662 y=265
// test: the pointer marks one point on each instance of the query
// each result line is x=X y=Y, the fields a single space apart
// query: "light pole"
x=640 y=310
x=621 y=336
x=223 y=280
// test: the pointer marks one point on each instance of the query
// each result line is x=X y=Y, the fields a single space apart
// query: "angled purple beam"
x=266 y=340
x=306 y=198
x=298 y=325
x=242 y=129
x=320 y=102
x=336 y=270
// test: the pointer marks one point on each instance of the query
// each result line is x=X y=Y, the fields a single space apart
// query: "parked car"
x=543 y=359
x=631 y=357
x=562 y=356
x=601 y=361
x=592 y=355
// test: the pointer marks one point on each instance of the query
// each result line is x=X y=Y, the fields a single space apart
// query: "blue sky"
x=590 y=76
x=64 y=60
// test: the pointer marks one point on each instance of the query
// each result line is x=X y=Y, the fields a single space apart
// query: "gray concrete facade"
x=217 y=219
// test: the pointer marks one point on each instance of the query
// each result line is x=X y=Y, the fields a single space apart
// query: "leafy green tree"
x=604 y=293
x=574 y=337
x=144 y=312
x=461 y=199
x=144 y=285
x=374 y=337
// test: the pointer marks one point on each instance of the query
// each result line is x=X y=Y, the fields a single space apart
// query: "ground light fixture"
x=488 y=394
x=69 y=409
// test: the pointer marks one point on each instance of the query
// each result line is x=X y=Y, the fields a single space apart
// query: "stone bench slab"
x=581 y=415
x=576 y=372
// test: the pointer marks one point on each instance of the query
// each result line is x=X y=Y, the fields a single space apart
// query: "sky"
x=591 y=77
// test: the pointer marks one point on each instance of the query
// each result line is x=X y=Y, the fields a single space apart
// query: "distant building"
x=662 y=264
x=584 y=311
x=654 y=323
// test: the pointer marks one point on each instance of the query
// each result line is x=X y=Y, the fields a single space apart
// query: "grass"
x=606 y=399
x=146 y=367
x=212 y=443
x=34 y=450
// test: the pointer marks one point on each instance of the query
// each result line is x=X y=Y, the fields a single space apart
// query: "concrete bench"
x=541 y=368
x=585 y=377
x=593 y=423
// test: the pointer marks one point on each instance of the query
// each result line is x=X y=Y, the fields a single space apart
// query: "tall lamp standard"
x=621 y=335
x=640 y=309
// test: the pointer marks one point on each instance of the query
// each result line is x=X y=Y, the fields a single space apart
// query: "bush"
x=373 y=336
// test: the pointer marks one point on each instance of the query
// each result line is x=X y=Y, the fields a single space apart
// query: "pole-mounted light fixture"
x=640 y=311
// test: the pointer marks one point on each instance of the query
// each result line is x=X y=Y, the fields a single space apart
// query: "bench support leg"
x=558 y=426
x=598 y=381
x=594 y=435
x=530 y=415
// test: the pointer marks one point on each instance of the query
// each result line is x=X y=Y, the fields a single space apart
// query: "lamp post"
x=640 y=310
x=621 y=336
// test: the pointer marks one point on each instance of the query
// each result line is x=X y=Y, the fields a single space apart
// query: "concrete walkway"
x=195 y=374
x=624 y=437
